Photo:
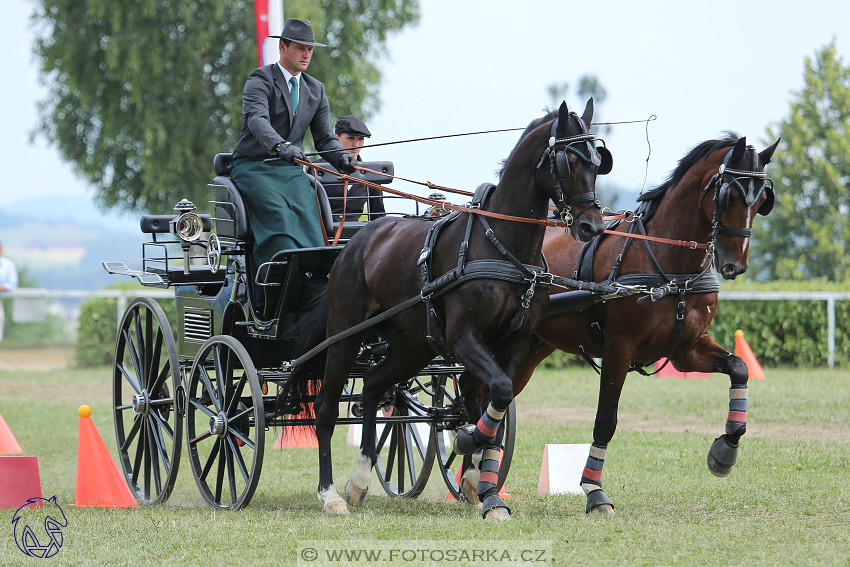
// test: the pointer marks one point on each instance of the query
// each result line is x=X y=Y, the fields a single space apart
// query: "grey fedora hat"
x=299 y=31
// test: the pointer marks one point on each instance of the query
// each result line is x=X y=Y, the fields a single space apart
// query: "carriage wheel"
x=405 y=452
x=225 y=423
x=449 y=462
x=145 y=392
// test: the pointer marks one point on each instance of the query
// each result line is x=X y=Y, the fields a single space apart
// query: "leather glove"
x=346 y=163
x=291 y=152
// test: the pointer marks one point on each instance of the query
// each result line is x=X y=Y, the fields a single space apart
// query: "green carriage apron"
x=281 y=206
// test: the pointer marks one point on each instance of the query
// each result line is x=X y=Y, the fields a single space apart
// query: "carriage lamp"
x=188 y=226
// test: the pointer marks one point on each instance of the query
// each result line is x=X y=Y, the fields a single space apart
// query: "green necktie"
x=293 y=92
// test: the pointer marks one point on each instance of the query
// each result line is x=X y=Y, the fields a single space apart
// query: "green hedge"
x=97 y=331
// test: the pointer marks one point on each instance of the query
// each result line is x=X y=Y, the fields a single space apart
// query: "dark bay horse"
x=480 y=317
x=703 y=215
x=711 y=197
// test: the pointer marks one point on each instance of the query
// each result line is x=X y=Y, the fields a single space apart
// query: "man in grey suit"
x=279 y=102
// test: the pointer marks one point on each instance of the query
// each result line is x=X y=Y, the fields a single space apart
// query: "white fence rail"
x=30 y=304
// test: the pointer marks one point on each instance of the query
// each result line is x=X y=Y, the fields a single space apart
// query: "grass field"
x=786 y=503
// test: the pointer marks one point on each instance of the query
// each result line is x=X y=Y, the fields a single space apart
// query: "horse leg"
x=327 y=412
x=611 y=380
x=376 y=382
x=705 y=355
x=487 y=433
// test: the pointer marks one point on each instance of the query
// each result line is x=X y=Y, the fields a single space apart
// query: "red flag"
x=261 y=20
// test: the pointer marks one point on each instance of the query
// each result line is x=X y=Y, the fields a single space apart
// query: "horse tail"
x=308 y=332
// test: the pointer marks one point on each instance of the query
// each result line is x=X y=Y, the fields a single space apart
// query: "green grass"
x=786 y=503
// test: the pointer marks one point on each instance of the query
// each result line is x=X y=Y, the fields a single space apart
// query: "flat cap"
x=351 y=125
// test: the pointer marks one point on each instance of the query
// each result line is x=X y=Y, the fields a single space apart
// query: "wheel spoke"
x=411 y=459
x=152 y=370
x=402 y=449
x=391 y=453
x=211 y=459
x=130 y=378
x=208 y=387
x=140 y=450
x=236 y=394
x=134 y=430
x=231 y=474
x=154 y=449
x=240 y=462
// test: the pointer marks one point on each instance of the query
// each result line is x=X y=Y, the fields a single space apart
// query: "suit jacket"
x=267 y=118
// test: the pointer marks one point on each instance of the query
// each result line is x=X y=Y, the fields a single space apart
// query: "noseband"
x=559 y=167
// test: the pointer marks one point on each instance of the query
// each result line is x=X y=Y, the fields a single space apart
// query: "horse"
x=480 y=312
x=700 y=216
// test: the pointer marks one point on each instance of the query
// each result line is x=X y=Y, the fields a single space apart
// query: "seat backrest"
x=230 y=216
x=384 y=172
x=324 y=205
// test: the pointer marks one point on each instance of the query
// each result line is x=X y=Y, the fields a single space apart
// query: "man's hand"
x=346 y=163
x=291 y=152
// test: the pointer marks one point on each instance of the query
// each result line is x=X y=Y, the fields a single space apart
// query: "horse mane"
x=648 y=201
x=533 y=125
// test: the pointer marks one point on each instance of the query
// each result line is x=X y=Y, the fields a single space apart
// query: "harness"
x=510 y=270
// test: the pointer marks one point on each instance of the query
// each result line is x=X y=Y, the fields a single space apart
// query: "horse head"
x=741 y=189
x=574 y=162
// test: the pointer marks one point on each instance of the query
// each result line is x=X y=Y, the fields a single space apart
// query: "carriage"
x=218 y=377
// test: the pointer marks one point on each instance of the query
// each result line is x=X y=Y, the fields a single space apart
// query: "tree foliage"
x=143 y=94
x=808 y=233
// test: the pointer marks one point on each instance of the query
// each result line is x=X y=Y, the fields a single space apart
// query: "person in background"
x=8 y=282
x=362 y=202
x=280 y=102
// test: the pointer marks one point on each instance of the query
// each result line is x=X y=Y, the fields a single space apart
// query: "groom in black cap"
x=280 y=102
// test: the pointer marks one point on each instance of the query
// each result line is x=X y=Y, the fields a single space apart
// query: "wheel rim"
x=449 y=462
x=145 y=390
x=405 y=450
x=225 y=423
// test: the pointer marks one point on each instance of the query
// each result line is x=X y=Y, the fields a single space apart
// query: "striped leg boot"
x=591 y=482
x=724 y=451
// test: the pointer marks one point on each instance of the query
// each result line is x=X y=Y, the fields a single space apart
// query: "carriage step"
x=145 y=278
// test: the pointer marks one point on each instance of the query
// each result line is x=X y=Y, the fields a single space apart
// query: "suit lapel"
x=283 y=87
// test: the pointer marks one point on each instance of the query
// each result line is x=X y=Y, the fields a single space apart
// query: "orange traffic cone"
x=99 y=482
x=742 y=350
x=19 y=481
x=8 y=443
x=297 y=436
x=502 y=492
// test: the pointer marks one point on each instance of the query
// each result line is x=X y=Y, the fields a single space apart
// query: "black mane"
x=648 y=201
x=533 y=125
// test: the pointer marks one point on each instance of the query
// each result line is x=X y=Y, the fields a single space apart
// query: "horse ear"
x=563 y=121
x=767 y=153
x=587 y=115
x=738 y=150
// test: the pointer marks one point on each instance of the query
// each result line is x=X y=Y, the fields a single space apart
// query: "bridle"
x=723 y=182
x=583 y=146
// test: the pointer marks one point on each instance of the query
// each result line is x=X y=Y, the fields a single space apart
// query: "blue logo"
x=38 y=527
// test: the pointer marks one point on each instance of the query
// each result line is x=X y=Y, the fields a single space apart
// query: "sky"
x=700 y=67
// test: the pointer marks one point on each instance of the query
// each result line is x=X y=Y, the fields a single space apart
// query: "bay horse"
x=480 y=310
x=700 y=216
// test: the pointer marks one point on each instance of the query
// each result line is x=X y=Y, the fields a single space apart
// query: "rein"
x=433 y=202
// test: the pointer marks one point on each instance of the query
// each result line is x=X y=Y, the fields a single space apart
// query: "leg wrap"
x=470 y=438
x=724 y=451
x=591 y=478
x=489 y=467
x=736 y=423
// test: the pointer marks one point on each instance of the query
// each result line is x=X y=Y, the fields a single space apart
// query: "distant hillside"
x=61 y=242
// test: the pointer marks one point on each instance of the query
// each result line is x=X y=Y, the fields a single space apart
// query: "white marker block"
x=560 y=472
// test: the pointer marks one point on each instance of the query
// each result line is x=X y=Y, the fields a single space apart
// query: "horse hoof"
x=717 y=468
x=355 y=495
x=604 y=509
x=335 y=508
x=498 y=514
x=469 y=491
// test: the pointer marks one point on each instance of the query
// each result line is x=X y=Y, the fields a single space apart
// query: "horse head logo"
x=38 y=527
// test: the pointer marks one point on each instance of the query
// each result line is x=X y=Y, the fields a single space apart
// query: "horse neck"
x=519 y=195
x=680 y=216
